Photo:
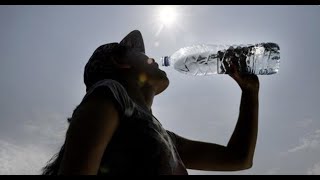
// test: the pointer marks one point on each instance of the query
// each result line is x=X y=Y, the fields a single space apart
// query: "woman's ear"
x=120 y=65
x=134 y=40
x=124 y=66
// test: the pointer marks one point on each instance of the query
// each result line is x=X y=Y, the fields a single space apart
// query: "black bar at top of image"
x=159 y=2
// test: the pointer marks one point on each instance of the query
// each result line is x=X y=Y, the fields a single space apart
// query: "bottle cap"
x=165 y=61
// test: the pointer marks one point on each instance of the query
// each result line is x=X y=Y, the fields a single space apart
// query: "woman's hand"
x=247 y=82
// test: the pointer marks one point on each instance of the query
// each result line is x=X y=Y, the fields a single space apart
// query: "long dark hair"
x=53 y=165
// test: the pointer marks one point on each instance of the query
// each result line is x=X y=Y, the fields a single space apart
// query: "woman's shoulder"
x=111 y=90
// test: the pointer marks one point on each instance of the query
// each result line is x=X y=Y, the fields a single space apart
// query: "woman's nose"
x=151 y=60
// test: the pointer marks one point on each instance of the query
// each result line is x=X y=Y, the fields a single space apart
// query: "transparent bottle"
x=205 y=59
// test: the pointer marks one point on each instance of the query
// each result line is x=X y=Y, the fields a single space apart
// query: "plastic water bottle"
x=204 y=59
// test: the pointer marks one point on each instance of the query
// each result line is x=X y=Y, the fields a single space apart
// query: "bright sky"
x=43 y=51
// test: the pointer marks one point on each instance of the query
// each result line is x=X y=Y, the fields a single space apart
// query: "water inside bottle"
x=261 y=59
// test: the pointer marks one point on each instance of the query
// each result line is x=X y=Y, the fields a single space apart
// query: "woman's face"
x=148 y=70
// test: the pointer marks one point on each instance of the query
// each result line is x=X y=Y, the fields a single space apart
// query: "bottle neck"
x=166 y=61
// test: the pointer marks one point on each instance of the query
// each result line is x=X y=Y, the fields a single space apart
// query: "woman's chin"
x=162 y=85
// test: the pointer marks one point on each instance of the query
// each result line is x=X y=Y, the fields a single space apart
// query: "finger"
x=233 y=69
x=234 y=72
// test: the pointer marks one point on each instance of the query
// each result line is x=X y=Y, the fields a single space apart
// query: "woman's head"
x=125 y=61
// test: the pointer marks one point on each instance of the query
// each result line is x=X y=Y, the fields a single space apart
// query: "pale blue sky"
x=43 y=51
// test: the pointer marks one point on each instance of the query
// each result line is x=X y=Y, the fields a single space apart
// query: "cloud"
x=315 y=170
x=22 y=160
x=39 y=139
x=305 y=123
x=46 y=127
x=310 y=141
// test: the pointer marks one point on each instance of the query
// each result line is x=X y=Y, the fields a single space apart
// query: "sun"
x=169 y=19
x=167 y=15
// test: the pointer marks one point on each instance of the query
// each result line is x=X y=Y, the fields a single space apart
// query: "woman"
x=113 y=132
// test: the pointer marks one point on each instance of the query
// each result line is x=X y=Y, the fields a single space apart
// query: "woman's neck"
x=141 y=94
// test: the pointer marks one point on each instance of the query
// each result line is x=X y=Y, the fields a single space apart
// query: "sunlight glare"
x=168 y=15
